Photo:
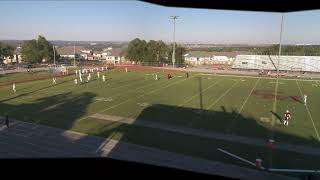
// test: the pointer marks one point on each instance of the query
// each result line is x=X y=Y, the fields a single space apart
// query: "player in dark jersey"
x=287 y=117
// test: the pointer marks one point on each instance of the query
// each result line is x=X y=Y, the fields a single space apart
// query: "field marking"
x=144 y=94
x=197 y=94
x=225 y=93
x=315 y=129
x=49 y=92
x=241 y=108
x=85 y=86
x=255 y=76
x=205 y=133
x=27 y=98
x=121 y=93
x=23 y=97
x=75 y=87
x=237 y=157
x=135 y=97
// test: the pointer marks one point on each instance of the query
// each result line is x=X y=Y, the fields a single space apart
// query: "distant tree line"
x=292 y=50
x=153 y=52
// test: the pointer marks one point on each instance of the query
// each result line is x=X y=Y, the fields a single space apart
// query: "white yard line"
x=315 y=129
x=214 y=103
x=23 y=99
x=135 y=97
x=244 y=103
x=67 y=89
x=237 y=157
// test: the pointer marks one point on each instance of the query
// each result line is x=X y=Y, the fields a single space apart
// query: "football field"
x=192 y=116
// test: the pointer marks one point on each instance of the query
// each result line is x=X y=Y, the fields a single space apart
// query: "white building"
x=203 y=57
x=112 y=55
x=17 y=57
x=286 y=63
x=97 y=55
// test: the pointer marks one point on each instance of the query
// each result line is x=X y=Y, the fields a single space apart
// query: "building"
x=69 y=52
x=87 y=54
x=204 y=57
x=17 y=57
x=112 y=55
x=286 y=63
x=86 y=51
x=97 y=55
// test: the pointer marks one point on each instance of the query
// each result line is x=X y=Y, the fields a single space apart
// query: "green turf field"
x=243 y=106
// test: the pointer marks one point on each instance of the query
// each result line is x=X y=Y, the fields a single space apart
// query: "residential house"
x=70 y=52
x=112 y=55
x=97 y=55
x=17 y=57
x=87 y=51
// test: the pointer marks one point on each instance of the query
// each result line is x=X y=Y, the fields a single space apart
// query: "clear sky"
x=126 y=20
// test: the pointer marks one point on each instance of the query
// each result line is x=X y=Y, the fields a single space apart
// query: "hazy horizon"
x=125 y=20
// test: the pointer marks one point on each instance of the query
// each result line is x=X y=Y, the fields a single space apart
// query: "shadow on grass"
x=156 y=126
x=187 y=131
x=32 y=92
x=277 y=116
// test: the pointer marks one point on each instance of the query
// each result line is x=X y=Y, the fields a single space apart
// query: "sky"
x=125 y=20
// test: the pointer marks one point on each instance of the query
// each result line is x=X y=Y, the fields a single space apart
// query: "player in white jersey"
x=88 y=78
x=287 y=117
x=14 y=87
x=103 y=78
x=75 y=81
x=305 y=99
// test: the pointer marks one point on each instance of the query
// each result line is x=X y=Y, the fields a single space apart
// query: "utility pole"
x=54 y=56
x=74 y=52
x=174 y=43
x=276 y=94
x=280 y=44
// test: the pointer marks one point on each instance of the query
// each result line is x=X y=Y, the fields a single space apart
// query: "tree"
x=161 y=51
x=5 y=51
x=179 y=54
x=136 y=50
x=30 y=52
x=151 y=52
x=34 y=51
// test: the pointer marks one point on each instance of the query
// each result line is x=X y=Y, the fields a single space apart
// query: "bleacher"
x=286 y=63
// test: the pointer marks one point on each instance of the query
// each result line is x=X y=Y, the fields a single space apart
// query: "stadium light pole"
x=174 y=42
x=54 y=55
x=280 y=44
x=74 y=52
